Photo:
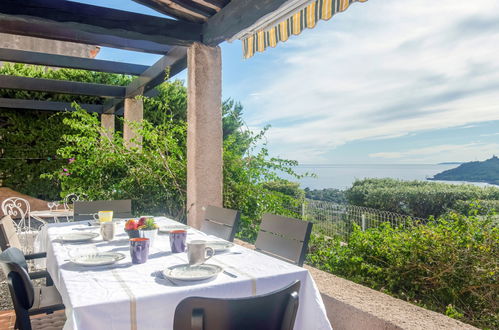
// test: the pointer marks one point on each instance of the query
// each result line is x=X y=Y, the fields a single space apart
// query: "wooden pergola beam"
x=236 y=16
x=45 y=105
x=176 y=61
x=174 y=9
x=156 y=73
x=76 y=22
x=61 y=86
x=63 y=61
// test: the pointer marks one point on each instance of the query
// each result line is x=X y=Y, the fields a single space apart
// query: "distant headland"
x=486 y=171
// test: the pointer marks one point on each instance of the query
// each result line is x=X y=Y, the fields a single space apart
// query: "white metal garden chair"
x=69 y=200
x=19 y=209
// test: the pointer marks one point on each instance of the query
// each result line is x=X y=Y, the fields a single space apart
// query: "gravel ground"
x=5 y=301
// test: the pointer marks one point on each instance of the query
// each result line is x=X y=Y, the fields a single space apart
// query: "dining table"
x=124 y=295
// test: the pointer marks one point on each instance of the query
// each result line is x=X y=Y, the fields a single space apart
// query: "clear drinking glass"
x=50 y=205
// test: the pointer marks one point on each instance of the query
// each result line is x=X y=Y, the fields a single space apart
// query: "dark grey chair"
x=284 y=238
x=9 y=238
x=220 y=222
x=28 y=299
x=85 y=210
x=273 y=311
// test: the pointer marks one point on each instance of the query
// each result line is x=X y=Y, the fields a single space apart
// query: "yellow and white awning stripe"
x=295 y=24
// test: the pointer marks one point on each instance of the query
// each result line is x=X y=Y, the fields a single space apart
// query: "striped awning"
x=293 y=24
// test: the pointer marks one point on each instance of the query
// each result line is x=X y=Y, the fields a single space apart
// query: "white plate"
x=167 y=229
x=78 y=237
x=219 y=246
x=187 y=273
x=98 y=259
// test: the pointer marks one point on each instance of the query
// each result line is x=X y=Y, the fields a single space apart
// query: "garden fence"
x=336 y=220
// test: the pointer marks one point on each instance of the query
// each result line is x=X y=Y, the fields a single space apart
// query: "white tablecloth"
x=127 y=296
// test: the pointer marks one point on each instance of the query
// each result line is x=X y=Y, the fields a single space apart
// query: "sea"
x=341 y=176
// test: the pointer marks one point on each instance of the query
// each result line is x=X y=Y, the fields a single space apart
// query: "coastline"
x=342 y=176
x=476 y=183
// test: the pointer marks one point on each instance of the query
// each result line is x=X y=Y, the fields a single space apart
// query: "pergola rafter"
x=63 y=61
x=46 y=105
x=61 y=86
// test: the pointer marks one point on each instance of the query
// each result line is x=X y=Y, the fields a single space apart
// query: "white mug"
x=198 y=252
x=107 y=230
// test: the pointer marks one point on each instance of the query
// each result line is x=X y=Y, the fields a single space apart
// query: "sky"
x=413 y=81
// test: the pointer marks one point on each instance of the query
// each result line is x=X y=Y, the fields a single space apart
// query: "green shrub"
x=415 y=198
x=450 y=265
x=483 y=206
x=29 y=142
x=154 y=177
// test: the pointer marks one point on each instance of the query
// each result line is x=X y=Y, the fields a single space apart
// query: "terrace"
x=188 y=41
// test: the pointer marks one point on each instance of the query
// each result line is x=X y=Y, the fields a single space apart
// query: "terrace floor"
x=7 y=320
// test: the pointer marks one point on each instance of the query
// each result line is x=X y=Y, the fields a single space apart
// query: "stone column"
x=204 y=131
x=134 y=112
x=107 y=122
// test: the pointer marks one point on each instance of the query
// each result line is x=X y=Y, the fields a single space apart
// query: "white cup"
x=107 y=230
x=198 y=252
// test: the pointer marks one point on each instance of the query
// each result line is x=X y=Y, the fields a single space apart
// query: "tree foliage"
x=329 y=195
x=102 y=168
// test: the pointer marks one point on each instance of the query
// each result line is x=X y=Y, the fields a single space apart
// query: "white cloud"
x=441 y=153
x=382 y=69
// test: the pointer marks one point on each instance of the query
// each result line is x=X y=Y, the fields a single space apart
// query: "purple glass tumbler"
x=177 y=240
x=139 y=249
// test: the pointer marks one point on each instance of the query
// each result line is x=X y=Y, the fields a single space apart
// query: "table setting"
x=132 y=273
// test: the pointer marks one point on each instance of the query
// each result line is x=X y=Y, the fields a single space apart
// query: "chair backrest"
x=73 y=197
x=220 y=222
x=284 y=238
x=273 y=311
x=18 y=208
x=8 y=235
x=20 y=285
x=84 y=210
